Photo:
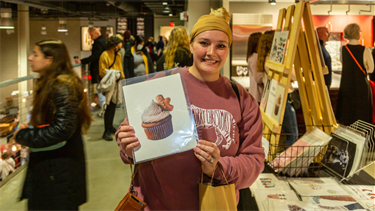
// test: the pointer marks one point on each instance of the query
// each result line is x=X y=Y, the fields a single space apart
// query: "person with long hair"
x=111 y=60
x=256 y=78
x=177 y=53
x=264 y=50
x=56 y=175
x=355 y=91
x=128 y=43
x=229 y=127
x=140 y=62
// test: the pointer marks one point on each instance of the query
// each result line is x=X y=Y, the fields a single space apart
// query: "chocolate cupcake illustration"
x=157 y=120
x=277 y=106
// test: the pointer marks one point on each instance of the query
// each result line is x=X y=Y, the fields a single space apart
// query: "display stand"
x=301 y=51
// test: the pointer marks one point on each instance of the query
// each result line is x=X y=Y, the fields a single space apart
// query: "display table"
x=247 y=200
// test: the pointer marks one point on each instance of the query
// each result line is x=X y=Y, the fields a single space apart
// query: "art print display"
x=271 y=101
x=335 y=202
x=279 y=99
x=262 y=196
x=266 y=90
x=161 y=116
x=359 y=140
x=269 y=181
x=279 y=45
x=340 y=155
x=296 y=159
x=290 y=205
x=317 y=187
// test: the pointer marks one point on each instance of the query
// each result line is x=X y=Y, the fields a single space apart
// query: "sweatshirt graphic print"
x=221 y=121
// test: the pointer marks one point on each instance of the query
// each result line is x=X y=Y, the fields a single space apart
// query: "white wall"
x=164 y=21
x=195 y=10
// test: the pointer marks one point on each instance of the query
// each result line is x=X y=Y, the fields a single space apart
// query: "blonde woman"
x=177 y=53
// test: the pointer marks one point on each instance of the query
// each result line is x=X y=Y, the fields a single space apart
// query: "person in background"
x=177 y=53
x=159 y=48
x=151 y=48
x=140 y=62
x=56 y=177
x=256 y=78
x=128 y=43
x=24 y=154
x=111 y=60
x=7 y=165
x=97 y=49
x=355 y=97
x=122 y=50
x=289 y=126
x=323 y=35
x=372 y=75
x=214 y=102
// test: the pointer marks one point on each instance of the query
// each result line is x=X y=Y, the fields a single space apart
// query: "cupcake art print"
x=157 y=120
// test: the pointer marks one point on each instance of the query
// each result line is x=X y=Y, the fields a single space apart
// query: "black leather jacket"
x=56 y=178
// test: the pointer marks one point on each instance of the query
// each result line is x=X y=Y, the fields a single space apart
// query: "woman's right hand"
x=128 y=140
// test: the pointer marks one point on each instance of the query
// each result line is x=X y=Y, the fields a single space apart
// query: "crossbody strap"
x=113 y=61
x=360 y=67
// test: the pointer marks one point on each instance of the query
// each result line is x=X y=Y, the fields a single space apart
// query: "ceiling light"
x=166 y=11
x=6 y=21
x=170 y=14
x=272 y=2
x=165 y=3
x=167 y=8
x=62 y=25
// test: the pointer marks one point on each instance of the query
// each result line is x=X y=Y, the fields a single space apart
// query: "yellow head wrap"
x=211 y=22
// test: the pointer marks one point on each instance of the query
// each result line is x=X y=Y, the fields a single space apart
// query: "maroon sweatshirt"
x=171 y=183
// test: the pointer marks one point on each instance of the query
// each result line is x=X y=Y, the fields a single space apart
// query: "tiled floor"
x=108 y=177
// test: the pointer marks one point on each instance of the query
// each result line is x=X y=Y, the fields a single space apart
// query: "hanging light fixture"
x=272 y=2
x=62 y=25
x=6 y=21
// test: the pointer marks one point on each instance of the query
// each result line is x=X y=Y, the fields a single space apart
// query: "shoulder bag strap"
x=113 y=61
x=364 y=72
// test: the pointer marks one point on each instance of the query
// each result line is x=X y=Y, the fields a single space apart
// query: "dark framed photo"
x=340 y=155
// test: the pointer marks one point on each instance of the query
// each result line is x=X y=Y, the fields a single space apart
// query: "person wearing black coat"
x=56 y=174
x=127 y=63
x=97 y=49
x=138 y=49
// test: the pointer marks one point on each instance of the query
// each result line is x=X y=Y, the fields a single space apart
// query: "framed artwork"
x=86 y=41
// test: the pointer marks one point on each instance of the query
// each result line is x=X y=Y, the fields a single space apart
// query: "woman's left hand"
x=209 y=154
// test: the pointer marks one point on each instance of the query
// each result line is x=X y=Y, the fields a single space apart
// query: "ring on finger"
x=211 y=161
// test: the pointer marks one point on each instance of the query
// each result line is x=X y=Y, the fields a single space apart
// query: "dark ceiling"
x=95 y=9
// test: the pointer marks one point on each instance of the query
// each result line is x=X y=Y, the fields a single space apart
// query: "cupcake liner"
x=161 y=131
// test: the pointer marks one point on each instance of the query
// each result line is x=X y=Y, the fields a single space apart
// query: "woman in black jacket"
x=139 y=61
x=56 y=175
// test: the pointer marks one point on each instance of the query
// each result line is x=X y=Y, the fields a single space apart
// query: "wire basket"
x=301 y=161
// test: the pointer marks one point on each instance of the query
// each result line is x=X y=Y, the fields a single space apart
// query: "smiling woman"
x=229 y=127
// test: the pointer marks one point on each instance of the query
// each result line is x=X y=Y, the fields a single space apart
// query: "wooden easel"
x=303 y=52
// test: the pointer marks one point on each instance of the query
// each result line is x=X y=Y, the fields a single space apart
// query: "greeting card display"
x=161 y=116
x=272 y=100
x=334 y=202
x=317 y=187
x=279 y=44
x=340 y=155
